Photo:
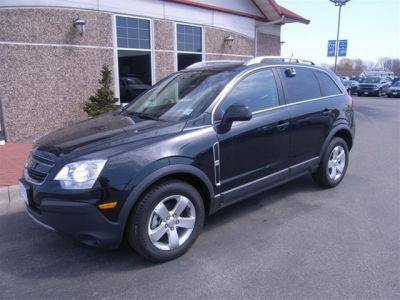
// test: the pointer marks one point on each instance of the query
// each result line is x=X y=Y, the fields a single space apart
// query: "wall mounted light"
x=79 y=25
x=229 y=41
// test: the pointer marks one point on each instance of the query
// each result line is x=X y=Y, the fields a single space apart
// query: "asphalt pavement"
x=295 y=241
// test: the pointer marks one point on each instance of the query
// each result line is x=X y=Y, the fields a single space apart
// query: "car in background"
x=394 y=90
x=351 y=86
x=131 y=87
x=373 y=86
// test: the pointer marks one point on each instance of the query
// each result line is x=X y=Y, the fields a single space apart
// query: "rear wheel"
x=333 y=165
x=167 y=221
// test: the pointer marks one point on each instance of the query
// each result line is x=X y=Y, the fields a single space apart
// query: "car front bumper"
x=81 y=221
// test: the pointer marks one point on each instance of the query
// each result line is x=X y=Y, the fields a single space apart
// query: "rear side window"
x=328 y=86
x=302 y=86
x=257 y=91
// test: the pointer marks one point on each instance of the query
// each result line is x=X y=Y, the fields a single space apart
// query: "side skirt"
x=268 y=182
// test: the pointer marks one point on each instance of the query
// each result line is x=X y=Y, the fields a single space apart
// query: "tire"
x=380 y=93
x=324 y=176
x=170 y=238
x=359 y=94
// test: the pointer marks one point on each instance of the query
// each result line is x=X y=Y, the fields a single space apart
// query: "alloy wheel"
x=336 y=163
x=171 y=222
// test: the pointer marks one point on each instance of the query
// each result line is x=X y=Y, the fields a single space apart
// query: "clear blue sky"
x=372 y=28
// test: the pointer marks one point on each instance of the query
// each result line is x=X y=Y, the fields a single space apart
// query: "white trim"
x=162 y=50
x=55 y=45
x=116 y=49
x=227 y=54
x=115 y=59
x=202 y=52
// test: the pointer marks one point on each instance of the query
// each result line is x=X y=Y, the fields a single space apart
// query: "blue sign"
x=342 y=48
x=332 y=48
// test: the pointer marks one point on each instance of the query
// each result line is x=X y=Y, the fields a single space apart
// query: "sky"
x=372 y=28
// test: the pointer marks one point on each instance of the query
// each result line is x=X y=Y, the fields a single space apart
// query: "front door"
x=252 y=150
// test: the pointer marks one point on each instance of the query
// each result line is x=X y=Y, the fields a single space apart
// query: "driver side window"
x=257 y=91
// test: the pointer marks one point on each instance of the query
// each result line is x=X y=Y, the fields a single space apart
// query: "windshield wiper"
x=143 y=115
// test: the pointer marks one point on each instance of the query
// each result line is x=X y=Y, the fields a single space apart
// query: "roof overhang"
x=270 y=11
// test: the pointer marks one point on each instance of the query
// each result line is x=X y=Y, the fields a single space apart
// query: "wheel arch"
x=342 y=131
x=187 y=173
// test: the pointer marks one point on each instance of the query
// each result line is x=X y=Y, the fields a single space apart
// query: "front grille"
x=37 y=176
x=38 y=167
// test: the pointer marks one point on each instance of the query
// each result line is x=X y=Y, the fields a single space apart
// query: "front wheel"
x=333 y=165
x=167 y=221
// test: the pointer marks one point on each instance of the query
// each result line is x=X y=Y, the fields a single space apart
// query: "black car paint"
x=276 y=146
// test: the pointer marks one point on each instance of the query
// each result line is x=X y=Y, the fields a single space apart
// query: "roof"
x=270 y=11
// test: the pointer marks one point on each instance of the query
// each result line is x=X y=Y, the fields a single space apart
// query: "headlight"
x=80 y=174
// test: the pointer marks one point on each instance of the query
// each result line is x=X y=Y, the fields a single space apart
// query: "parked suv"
x=199 y=140
x=375 y=86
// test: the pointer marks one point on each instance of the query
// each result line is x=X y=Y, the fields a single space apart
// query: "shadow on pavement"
x=28 y=250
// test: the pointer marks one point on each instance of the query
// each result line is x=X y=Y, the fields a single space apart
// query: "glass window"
x=189 y=45
x=133 y=33
x=189 y=38
x=328 y=86
x=181 y=96
x=257 y=91
x=302 y=86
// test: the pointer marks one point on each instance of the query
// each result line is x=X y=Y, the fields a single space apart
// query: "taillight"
x=350 y=100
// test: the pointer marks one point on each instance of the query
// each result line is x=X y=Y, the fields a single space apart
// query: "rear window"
x=328 y=86
x=302 y=86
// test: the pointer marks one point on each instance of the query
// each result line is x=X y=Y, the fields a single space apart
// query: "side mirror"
x=235 y=112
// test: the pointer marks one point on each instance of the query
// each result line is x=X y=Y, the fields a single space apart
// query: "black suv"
x=199 y=140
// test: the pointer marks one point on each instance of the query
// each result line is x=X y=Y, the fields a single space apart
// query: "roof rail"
x=263 y=59
x=208 y=63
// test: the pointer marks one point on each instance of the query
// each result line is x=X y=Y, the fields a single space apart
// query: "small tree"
x=103 y=101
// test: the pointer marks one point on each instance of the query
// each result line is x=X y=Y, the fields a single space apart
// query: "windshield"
x=372 y=80
x=182 y=95
x=397 y=83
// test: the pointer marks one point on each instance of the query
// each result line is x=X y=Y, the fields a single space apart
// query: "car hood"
x=107 y=130
x=395 y=88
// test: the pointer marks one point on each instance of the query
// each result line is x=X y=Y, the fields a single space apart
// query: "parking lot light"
x=339 y=3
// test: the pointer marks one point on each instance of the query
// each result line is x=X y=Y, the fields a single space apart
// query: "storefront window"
x=189 y=45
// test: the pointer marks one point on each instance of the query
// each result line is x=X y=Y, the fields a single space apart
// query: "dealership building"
x=52 y=51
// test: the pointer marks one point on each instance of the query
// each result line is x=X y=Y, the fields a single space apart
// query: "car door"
x=253 y=149
x=312 y=114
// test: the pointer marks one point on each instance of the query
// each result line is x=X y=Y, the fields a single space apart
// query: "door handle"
x=326 y=112
x=282 y=126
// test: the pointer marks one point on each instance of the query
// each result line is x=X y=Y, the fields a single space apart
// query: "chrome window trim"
x=227 y=89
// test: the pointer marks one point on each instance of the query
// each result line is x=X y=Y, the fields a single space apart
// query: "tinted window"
x=328 y=86
x=302 y=86
x=257 y=91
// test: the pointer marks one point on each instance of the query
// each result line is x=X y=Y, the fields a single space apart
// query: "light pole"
x=339 y=3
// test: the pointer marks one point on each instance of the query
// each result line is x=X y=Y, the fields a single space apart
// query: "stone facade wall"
x=215 y=43
x=268 y=44
x=47 y=69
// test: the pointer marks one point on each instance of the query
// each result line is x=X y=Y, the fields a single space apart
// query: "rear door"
x=311 y=113
x=257 y=148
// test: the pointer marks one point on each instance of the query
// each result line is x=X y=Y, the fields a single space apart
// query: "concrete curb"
x=8 y=195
